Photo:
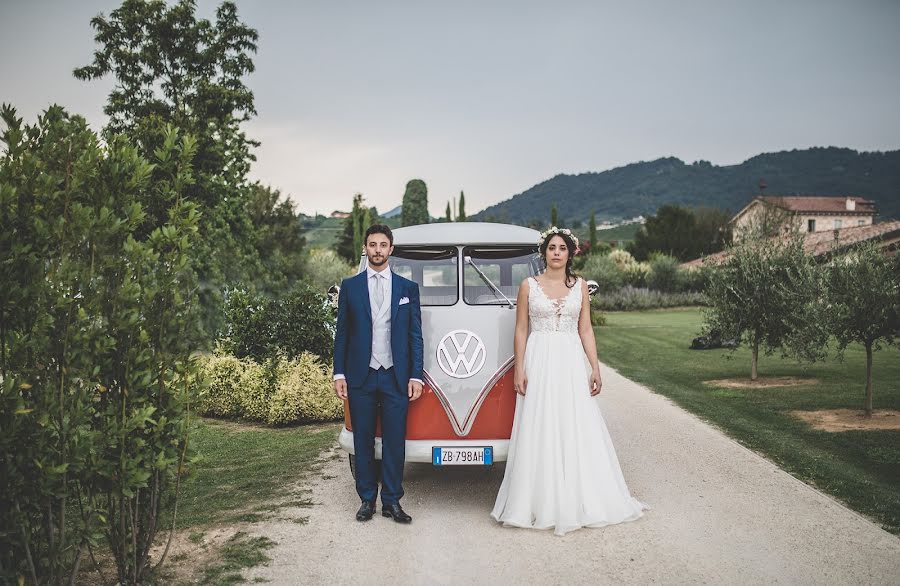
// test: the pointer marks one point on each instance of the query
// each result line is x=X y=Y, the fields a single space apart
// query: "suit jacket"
x=353 y=337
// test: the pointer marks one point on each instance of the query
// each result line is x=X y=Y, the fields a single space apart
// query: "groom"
x=378 y=360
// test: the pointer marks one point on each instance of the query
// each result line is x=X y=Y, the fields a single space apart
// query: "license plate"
x=455 y=456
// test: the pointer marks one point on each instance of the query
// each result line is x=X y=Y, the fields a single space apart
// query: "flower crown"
x=554 y=230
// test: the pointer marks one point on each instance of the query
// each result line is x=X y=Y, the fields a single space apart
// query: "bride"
x=562 y=470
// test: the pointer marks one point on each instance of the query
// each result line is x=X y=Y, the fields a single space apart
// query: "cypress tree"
x=461 y=215
x=592 y=231
x=415 y=203
x=447 y=216
x=554 y=216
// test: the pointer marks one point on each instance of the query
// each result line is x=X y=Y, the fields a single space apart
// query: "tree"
x=352 y=242
x=712 y=231
x=279 y=241
x=461 y=215
x=592 y=232
x=554 y=216
x=415 y=203
x=97 y=328
x=766 y=295
x=171 y=68
x=863 y=303
x=447 y=216
x=670 y=231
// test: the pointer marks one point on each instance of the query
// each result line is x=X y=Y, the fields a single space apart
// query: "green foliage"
x=663 y=274
x=171 y=68
x=642 y=188
x=97 y=323
x=448 y=217
x=262 y=328
x=325 y=268
x=605 y=271
x=279 y=242
x=279 y=391
x=766 y=295
x=554 y=216
x=863 y=302
x=592 y=234
x=682 y=233
x=639 y=299
x=415 y=203
x=461 y=214
x=352 y=241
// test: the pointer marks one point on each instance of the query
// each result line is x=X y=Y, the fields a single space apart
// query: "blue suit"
x=368 y=388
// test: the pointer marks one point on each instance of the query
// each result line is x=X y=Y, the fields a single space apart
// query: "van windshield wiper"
x=490 y=283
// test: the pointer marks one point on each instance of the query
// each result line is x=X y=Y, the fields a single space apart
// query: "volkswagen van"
x=468 y=275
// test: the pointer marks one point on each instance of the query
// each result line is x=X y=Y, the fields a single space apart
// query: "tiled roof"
x=820 y=204
x=819 y=243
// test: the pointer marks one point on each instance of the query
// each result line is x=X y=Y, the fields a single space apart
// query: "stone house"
x=805 y=213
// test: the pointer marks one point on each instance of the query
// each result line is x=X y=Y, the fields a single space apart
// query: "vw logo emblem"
x=461 y=354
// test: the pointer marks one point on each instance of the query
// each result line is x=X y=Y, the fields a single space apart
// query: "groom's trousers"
x=379 y=388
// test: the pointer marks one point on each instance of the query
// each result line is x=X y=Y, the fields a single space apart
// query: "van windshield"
x=433 y=268
x=505 y=267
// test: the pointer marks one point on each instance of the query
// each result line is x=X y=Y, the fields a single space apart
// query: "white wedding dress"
x=562 y=470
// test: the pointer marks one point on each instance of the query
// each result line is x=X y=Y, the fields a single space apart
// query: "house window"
x=838 y=224
x=860 y=222
x=810 y=225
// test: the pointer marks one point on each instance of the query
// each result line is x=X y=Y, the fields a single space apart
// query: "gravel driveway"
x=720 y=514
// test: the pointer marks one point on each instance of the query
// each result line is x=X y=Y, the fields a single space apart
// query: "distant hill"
x=640 y=188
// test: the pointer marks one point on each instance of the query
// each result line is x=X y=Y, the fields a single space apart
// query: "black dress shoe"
x=366 y=510
x=396 y=512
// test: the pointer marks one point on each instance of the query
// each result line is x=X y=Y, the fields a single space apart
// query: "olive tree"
x=863 y=303
x=766 y=295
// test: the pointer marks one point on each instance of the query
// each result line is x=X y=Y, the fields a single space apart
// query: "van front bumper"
x=420 y=450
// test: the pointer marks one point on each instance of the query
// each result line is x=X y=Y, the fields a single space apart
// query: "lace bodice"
x=553 y=315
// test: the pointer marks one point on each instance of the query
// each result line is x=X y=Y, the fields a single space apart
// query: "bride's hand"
x=520 y=381
x=596 y=383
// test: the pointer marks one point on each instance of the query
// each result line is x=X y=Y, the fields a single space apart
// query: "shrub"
x=304 y=393
x=692 y=279
x=621 y=257
x=603 y=270
x=663 y=274
x=632 y=299
x=278 y=392
x=220 y=396
x=262 y=328
x=325 y=268
x=635 y=274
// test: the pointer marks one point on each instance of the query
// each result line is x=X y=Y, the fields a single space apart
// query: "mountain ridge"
x=640 y=188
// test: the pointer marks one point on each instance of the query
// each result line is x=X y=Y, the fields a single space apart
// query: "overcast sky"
x=494 y=97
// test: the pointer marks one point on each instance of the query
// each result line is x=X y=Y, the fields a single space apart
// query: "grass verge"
x=860 y=468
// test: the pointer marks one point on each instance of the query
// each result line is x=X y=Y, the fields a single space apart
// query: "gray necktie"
x=379 y=290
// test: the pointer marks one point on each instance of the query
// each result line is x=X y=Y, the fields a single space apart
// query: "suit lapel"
x=364 y=283
x=395 y=297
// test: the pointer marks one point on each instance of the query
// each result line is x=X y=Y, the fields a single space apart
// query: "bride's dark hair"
x=571 y=277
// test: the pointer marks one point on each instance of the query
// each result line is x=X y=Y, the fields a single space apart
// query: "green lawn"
x=246 y=472
x=860 y=468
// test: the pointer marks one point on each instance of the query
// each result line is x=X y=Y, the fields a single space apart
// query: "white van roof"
x=465 y=233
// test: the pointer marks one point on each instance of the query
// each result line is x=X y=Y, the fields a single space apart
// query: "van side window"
x=433 y=268
x=504 y=267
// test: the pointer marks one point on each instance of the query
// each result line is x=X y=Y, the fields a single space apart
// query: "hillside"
x=640 y=188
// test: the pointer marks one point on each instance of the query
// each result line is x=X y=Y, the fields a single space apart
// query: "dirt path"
x=720 y=514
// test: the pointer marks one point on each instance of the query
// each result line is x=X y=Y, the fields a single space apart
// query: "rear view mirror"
x=593 y=287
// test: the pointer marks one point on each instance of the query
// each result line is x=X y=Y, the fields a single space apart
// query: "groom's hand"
x=340 y=388
x=414 y=388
